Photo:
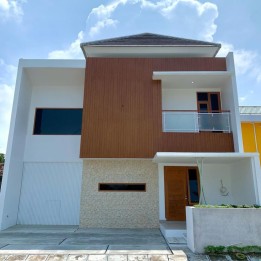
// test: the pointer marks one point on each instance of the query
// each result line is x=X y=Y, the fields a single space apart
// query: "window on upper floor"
x=208 y=102
x=58 y=121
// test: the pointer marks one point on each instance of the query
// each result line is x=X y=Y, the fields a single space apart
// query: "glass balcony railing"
x=192 y=121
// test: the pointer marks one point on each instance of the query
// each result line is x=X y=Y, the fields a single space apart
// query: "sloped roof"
x=148 y=39
x=250 y=109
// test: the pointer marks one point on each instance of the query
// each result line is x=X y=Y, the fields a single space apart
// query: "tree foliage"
x=2 y=158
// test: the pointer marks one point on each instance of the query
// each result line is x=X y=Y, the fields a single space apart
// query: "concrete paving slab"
x=41 y=228
x=57 y=257
x=58 y=249
x=198 y=258
x=3 y=257
x=177 y=258
x=36 y=257
x=77 y=258
x=137 y=258
x=112 y=235
x=117 y=258
x=158 y=257
x=97 y=258
x=218 y=258
x=16 y=257
x=28 y=241
x=1 y=246
x=138 y=250
x=34 y=235
x=128 y=231
x=112 y=241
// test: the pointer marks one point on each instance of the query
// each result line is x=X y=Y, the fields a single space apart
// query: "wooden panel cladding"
x=122 y=114
x=196 y=142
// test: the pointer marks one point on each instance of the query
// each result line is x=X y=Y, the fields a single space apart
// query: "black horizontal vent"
x=135 y=187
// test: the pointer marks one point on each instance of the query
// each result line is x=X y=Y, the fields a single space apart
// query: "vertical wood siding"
x=122 y=114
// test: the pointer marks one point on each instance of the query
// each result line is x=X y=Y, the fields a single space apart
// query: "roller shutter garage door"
x=50 y=194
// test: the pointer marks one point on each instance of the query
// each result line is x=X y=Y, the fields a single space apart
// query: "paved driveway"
x=72 y=243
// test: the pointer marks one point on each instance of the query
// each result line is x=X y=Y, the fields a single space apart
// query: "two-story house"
x=146 y=126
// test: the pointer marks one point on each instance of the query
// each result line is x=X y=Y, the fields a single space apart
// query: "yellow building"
x=251 y=128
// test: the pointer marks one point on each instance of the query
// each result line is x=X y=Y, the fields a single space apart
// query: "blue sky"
x=55 y=29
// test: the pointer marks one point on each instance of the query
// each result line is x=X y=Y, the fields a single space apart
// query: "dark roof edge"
x=126 y=36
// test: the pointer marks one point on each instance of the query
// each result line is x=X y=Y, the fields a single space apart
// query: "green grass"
x=227 y=206
x=232 y=249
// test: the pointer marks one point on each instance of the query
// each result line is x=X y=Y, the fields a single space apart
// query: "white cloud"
x=11 y=9
x=247 y=62
x=203 y=14
x=100 y=25
x=71 y=52
x=105 y=11
x=197 y=19
x=7 y=81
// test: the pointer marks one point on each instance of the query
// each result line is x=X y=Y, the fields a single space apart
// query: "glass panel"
x=193 y=186
x=214 y=102
x=195 y=122
x=180 y=122
x=58 y=121
x=122 y=187
x=202 y=96
x=203 y=107
x=214 y=122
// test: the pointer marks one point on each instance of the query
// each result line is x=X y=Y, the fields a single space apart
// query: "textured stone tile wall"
x=119 y=209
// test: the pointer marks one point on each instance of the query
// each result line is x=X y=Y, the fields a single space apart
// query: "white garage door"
x=50 y=194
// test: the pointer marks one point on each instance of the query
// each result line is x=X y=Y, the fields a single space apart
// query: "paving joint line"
x=105 y=253
x=76 y=229
x=167 y=243
x=62 y=241
x=4 y=246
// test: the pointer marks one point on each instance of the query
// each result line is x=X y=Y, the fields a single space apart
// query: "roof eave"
x=90 y=50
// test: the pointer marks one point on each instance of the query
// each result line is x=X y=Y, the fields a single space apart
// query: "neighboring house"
x=251 y=128
x=128 y=137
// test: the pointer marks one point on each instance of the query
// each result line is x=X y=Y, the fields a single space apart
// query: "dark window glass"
x=202 y=96
x=121 y=187
x=193 y=186
x=203 y=107
x=58 y=121
x=214 y=102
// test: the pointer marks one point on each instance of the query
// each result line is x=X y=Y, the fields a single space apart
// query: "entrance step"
x=177 y=240
x=173 y=229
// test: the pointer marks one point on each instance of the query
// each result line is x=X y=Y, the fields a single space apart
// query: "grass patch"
x=232 y=249
x=227 y=206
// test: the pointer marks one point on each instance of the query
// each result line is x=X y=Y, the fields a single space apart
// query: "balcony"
x=192 y=121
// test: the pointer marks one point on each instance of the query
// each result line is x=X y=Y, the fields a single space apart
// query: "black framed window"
x=128 y=187
x=58 y=122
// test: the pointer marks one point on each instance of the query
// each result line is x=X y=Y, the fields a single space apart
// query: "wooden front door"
x=181 y=189
x=175 y=192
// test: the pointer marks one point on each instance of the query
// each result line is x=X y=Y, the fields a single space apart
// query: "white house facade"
x=145 y=127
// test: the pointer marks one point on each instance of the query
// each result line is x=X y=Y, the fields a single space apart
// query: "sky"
x=48 y=29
